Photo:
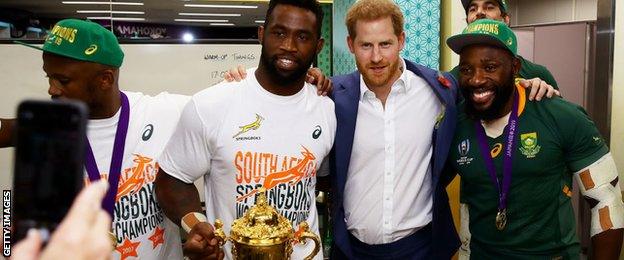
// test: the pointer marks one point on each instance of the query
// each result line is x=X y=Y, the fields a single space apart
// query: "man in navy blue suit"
x=395 y=123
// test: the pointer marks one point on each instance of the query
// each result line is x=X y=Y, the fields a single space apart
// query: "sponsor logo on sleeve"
x=597 y=140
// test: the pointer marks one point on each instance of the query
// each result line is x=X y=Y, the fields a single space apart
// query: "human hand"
x=201 y=243
x=323 y=84
x=83 y=233
x=539 y=89
x=235 y=74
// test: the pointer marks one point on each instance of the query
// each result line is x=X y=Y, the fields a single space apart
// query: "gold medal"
x=501 y=219
x=113 y=239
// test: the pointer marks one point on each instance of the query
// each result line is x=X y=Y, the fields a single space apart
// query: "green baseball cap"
x=501 y=3
x=485 y=31
x=83 y=40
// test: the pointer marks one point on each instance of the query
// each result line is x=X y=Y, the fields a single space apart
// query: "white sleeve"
x=176 y=100
x=187 y=155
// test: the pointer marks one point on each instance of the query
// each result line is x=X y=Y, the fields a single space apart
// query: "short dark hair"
x=311 y=5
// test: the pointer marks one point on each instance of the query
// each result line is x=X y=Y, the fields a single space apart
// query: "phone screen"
x=48 y=170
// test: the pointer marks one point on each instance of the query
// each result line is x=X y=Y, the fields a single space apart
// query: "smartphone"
x=48 y=167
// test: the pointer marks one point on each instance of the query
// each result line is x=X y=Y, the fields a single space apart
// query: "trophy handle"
x=302 y=234
x=218 y=232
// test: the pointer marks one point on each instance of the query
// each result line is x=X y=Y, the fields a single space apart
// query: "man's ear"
x=260 y=33
x=106 y=79
x=350 y=43
x=401 y=39
x=506 y=19
x=319 y=45
x=516 y=65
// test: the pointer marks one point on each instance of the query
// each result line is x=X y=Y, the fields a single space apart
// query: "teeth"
x=480 y=94
x=286 y=62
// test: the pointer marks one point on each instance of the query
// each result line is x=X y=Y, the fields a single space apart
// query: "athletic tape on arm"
x=599 y=184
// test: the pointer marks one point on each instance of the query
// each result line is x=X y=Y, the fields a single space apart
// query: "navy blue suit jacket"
x=346 y=94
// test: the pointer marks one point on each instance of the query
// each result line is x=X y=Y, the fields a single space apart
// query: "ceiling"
x=155 y=11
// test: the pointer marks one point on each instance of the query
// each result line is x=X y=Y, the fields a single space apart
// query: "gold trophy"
x=263 y=233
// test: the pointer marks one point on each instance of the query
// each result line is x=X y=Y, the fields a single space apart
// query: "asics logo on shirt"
x=252 y=126
x=498 y=147
x=317 y=132
x=147 y=132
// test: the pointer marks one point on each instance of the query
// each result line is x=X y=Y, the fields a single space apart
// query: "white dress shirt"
x=388 y=193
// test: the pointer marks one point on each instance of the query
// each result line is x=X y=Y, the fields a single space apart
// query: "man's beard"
x=502 y=95
x=284 y=77
x=372 y=81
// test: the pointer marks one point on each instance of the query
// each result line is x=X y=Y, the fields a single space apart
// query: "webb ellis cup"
x=263 y=233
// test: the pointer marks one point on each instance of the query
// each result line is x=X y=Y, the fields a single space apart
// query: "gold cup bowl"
x=263 y=233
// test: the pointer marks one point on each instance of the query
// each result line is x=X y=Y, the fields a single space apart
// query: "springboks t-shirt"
x=142 y=229
x=240 y=137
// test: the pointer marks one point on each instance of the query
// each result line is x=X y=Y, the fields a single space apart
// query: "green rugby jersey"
x=554 y=139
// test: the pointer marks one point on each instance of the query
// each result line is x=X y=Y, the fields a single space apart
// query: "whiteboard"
x=148 y=68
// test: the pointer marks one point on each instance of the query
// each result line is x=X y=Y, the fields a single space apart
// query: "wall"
x=343 y=61
x=148 y=68
x=524 y=12
x=453 y=22
x=422 y=28
x=325 y=56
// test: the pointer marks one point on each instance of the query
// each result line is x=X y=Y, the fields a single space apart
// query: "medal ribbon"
x=510 y=139
x=118 y=152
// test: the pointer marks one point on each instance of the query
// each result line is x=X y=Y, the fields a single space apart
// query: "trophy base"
x=273 y=252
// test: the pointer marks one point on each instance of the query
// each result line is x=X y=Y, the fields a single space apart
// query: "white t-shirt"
x=139 y=223
x=237 y=134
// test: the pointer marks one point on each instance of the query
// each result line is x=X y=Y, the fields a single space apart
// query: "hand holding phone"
x=86 y=221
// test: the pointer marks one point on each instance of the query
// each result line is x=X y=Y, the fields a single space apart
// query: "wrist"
x=191 y=219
